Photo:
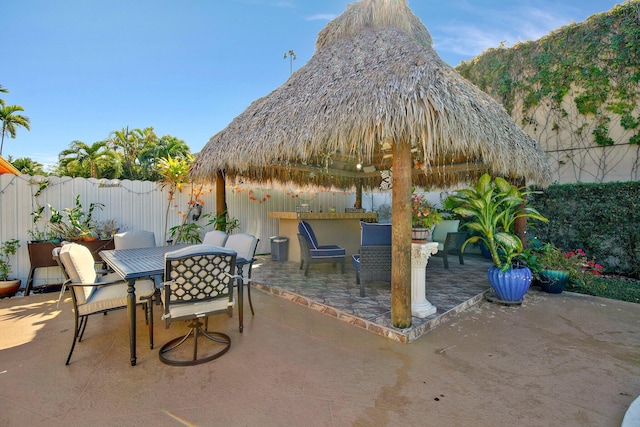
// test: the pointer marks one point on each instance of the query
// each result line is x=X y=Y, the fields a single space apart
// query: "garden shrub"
x=603 y=219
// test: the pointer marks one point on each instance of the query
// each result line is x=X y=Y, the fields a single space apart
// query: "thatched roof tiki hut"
x=376 y=93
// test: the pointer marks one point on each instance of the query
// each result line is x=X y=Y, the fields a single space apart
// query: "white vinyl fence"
x=142 y=205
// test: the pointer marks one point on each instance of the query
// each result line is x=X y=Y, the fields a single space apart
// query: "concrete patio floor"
x=561 y=360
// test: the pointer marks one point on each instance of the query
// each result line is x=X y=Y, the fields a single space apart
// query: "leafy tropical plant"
x=175 y=174
x=492 y=208
x=223 y=222
x=78 y=223
x=7 y=249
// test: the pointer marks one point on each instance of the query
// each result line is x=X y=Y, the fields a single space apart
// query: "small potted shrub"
x=8 y=286
x=550 y=267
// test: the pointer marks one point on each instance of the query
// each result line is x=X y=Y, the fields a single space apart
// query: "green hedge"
x=601 y=219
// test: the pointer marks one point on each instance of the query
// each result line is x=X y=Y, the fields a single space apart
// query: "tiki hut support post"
x=401 y=236
x=221 y=197
x=358 y=203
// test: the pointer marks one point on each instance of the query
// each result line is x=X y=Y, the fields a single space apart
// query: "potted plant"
x=424 y=217
x=550 y=266
x=8 y=287
x=491 y=209
x=107 y=229
x=78 y=225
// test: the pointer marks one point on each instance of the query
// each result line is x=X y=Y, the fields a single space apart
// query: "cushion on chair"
x=441 y=229
x=134 y=239
x=328 y=251
x=355 y=260
x=114 y=296
x=315 y=250
x=215 y=237
x=375 y=234
x=305 y=229
x=244 y=245
x=80 y=266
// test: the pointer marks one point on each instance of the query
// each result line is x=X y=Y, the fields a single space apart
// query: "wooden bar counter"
x=331 y=228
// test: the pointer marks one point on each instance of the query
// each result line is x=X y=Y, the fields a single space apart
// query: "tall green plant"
x=492 y=208
x=7 y=249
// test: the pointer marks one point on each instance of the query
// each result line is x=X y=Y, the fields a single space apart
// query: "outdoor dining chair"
x=199 y=282
x=245 y=246
x=134 y=239
x=215 y=237
x=94 y=294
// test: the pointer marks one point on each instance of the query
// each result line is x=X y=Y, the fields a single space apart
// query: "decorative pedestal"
x=420 y=253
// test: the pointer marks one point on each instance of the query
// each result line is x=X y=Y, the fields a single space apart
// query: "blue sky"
x=84 y=68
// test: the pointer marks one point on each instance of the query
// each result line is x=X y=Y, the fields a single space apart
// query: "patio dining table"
x=132 y=264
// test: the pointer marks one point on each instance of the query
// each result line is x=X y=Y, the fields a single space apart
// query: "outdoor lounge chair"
x=93 y=294
x=374 y=260
x=449 y=240
x=199 y=281
x=312 y=253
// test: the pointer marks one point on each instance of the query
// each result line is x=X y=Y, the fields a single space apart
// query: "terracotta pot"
x=8 y=288
x=420 y=235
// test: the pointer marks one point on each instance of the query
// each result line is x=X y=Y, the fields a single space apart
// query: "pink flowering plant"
x=424 y=215
x=582 y=270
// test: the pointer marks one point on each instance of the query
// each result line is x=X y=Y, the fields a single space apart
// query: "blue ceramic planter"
x=553 y=281
x=511 y=285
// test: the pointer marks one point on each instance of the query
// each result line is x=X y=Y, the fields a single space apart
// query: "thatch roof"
x=374 y=80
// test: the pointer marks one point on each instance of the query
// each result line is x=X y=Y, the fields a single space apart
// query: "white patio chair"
x=134 y=239
x=245 y=246
x=215 y=237
x=94 y=294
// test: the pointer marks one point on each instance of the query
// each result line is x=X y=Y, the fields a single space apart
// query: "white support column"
x=420 y=254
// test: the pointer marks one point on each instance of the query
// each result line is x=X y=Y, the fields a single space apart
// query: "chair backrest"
x=442 y=228
x=134 y=239
x=375 y=234
x=306 y=231
x=198 y=274
x=80 y=267
x=215 y=237
x=244 y=244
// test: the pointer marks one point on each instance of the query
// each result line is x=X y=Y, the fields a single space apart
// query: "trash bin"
x=279 y=248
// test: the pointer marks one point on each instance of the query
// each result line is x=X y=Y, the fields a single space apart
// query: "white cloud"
x=321 y=17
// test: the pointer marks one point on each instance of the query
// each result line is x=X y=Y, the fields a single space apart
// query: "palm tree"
x=132 y=143
x=27 y=166
x=3 y=90
x=165 y=148
x=10 y=120
x=87 y=158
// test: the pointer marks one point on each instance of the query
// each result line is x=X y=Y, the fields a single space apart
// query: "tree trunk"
x=401 y=236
